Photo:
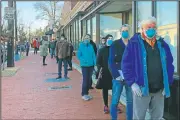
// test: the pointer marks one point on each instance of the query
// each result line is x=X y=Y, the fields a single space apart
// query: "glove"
x=95 y=68
x=120 y=78
x=163 y=92
x=136 y=90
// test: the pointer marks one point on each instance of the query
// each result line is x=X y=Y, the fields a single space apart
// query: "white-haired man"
x=147 y=67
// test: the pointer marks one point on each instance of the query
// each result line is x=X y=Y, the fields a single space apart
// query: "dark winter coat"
x=94 y=46
x=102 y=61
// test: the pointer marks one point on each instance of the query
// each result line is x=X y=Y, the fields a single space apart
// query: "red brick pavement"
x=26 y=95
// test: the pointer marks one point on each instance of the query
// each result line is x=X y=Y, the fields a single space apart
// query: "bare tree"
x=49 y=10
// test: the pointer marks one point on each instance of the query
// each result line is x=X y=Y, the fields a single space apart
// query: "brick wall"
x=67 y=13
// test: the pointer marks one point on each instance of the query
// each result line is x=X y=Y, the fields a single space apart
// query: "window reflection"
x=110 y=24
x=94 y=29
x=144 y=10
x=167 y=25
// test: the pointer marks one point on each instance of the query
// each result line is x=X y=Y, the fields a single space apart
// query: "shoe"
x=70 y=69
x=91 y=87
x=44 y=64
x=66 y=77
x=106 y=110
x=119 y=110
x=59 y=77
x=85 y=97
x=90 y=97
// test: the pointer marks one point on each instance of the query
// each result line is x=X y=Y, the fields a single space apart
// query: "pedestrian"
x=95 y=50
x=102 y=67
x=35 y=45
x=62 y=52
x=27 y=46
x=70 y=57
x=103 y=43
x=147 y=68
x=52 y=46
x=55 y=49
x=115 y=57
x=87 y=58
x=44 y=49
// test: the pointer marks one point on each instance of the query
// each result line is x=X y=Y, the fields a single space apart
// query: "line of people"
x=142 y=64
x=62 y=50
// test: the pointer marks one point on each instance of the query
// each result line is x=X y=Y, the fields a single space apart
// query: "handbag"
x=99 y=80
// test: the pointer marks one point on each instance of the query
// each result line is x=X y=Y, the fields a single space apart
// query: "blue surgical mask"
x=151 y=32
x=125 y=34
x=109 y=42
x=86 y=41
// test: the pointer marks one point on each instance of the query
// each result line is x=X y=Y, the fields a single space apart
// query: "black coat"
x=102 y=62
x=94 y=46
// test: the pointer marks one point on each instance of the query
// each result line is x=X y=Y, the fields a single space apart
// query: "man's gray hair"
x=147 y=21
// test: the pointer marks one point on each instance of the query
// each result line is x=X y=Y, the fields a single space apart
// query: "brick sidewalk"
x=26 y=95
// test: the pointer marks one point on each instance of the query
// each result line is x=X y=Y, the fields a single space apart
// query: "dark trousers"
x=105 y=96
x=35 y=50
x=70 y=62
x=87 y=74
x=57 y=59
x=52 y=52
x=44 y=59
x=64 y=61
x=27 y=51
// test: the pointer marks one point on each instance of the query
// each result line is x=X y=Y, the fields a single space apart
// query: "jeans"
x=116 y=93
x=64 y=61
x=44 y=59
x=27 y=51
x=52 y=51
x=87 y=74
x=35 y=50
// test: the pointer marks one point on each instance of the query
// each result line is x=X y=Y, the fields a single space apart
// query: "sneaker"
x=85 y=97
x=44 y=64
x=90 y=97
x=119 y=110
x=59 y=77
x=91 y=87
x=106 y=110
x=66 y=77
x=70 y=69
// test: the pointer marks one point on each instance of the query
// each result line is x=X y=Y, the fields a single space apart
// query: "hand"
x=120 y=78
x=163 y=92
x=95 y=68
x=136 y=90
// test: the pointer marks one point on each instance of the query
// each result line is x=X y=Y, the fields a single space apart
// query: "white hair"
x=147 y=21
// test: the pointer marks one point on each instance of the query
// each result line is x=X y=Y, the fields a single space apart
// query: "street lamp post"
x=10 y=51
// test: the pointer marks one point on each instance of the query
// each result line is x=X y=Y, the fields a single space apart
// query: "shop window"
x=167 y=25
x=94 y=29
x=88 y=24
x=144 y=10
x=110 y=24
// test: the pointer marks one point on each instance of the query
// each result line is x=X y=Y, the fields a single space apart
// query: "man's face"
x=110 y=38
x=124 y=29
x=87 y=37
x=103 y=41
x=147 y=26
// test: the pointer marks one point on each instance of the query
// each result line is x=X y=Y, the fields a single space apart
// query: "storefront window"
x=88 y=26
x=94 y=29
x=144 y=10
x=74 y=35
x=80 y=36
x=77 y=35
x=167 y=25
x=110 y=24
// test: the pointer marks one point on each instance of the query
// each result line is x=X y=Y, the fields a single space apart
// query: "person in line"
x=70 y=57
x=147 y=66
x=87 y=58
x=35 y=45
x=103 y=43
x=44 y=49
x=95 y=50
x=52 y=46
x=102 y=67
x=27 y=46
x=63 y=53
x=55 y=49
x=115 y=57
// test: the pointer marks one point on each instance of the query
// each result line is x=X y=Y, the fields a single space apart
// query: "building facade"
x=99 y=18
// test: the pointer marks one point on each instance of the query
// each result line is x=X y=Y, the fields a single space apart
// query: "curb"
x=123 y=95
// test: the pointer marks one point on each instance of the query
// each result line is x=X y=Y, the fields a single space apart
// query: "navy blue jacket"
x=115 y=57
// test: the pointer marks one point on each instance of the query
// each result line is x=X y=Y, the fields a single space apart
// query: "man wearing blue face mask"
x=147 y=68
x=115 y=57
